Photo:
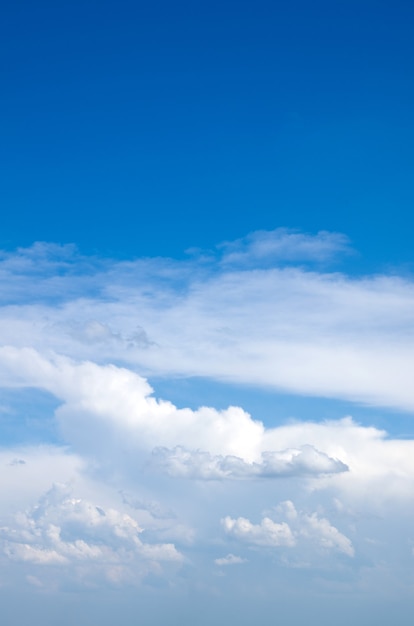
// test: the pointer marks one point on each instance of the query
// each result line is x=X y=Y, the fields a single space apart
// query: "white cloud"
x=288 y=328
x=327 y=535
x=302 y=527
x=230 y=559
x=110 y=418
x=198 y=464
x=64 y=530
x=268 y=533
x=281 y=245
x=315 y=528
x=114 y=402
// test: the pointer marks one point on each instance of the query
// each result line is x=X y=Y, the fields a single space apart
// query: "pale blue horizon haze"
x=206 y=313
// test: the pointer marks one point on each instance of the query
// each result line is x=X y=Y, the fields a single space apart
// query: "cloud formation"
x=64 y=530
x=301 y=527
x=197 y=464
x=268 y=323
x=109 y=417
x=268 y=533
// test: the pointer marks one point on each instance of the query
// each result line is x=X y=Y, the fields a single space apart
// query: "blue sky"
x=206 y=313
x=207 y=120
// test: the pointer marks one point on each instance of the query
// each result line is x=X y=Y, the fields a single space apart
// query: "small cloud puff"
x=197 y=464
x=230 y=559
x=268 y=533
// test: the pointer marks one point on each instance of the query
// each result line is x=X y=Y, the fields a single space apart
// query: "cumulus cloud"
x=64 y=530
x=268 y=533
x=198 y=464
x=300 y=528
x=111 y=400
x=109 y=416
x=325 y=534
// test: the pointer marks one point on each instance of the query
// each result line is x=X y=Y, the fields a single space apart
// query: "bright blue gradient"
x=135 y=128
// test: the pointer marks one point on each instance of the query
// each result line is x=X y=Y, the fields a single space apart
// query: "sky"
x=206 y=313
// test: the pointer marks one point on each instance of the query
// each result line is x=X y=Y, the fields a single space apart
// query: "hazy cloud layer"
x=296 y=328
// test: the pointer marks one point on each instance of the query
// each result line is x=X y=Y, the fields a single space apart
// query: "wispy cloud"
x=267 y=248
x=288 y=328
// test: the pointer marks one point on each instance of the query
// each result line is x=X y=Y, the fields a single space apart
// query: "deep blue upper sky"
x=142 y=128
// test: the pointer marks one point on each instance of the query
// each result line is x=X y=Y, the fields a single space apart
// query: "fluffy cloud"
x=109 y=416
x=268 y=533
x=325 y=534
x=115 y=402
x=64 y=530
x=305 y=461
x=302 y=527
